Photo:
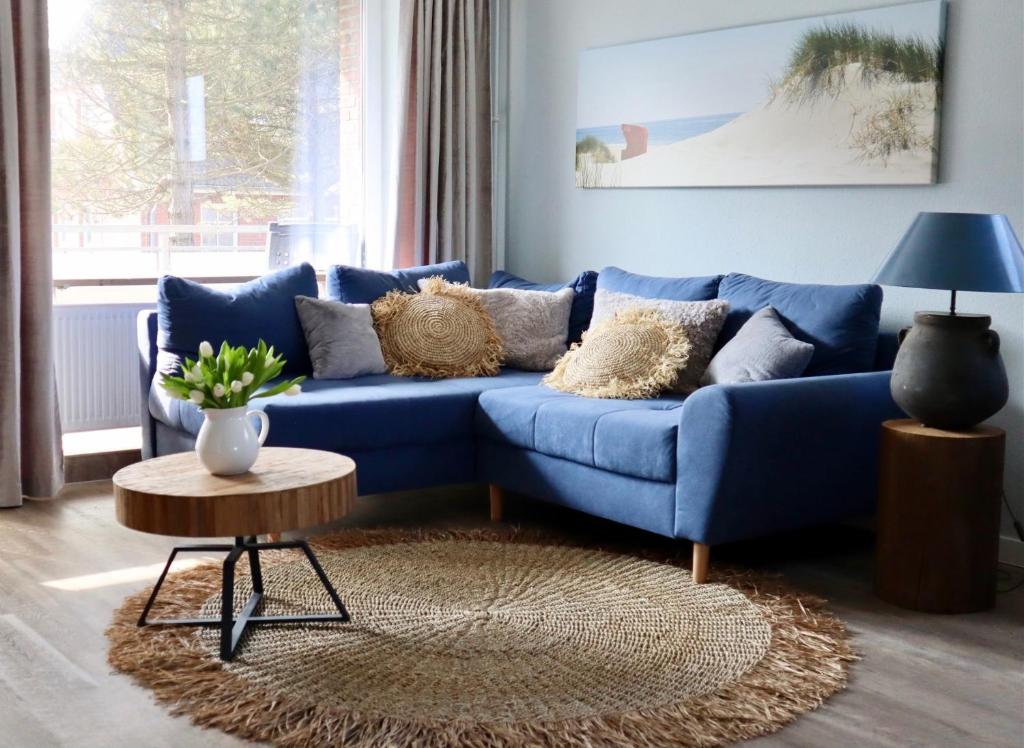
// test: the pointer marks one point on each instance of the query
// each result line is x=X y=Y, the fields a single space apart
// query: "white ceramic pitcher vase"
x=228 y=443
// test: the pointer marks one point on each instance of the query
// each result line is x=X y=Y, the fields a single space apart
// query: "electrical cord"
x=1013 y=518
x=1003 y=575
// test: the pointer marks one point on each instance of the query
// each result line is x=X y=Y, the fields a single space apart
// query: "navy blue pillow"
x=700 y=288
x=353 y=285
x=190 y=313
x=584 y=284
x=841 y=321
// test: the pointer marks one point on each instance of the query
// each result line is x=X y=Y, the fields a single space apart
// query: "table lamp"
x=948 y=372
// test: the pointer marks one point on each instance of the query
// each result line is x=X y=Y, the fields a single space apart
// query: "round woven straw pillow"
x=637 y=354
x=443 y=331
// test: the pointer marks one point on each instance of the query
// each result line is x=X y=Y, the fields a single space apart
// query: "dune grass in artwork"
x=827 y=59
x=591 y=154
x=846 y=98
x=818 y=62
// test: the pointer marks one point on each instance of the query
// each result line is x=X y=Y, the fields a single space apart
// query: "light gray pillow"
x=533 y=325
x=762 y=349
x=702 y=321
x=341 y=340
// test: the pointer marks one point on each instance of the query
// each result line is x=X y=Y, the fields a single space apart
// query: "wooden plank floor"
x=65 y=565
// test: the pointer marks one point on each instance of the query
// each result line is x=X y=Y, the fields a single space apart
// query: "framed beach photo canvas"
x=850 y=98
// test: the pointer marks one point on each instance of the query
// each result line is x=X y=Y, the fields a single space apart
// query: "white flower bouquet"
x=231 y=378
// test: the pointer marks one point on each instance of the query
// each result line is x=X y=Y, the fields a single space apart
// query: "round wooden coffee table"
x=287 y=489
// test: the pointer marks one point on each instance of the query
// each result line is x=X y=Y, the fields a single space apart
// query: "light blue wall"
x=830 y=235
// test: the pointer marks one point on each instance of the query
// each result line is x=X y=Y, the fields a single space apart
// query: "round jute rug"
x=484 y=639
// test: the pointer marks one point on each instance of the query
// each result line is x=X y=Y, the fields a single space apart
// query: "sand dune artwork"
x=850 y=98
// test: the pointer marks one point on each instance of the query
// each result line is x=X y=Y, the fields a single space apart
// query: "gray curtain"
x=31 y=463
x=444 y=176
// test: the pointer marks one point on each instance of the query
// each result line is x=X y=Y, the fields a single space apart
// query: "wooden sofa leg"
x=497 y=502
x=701 y=553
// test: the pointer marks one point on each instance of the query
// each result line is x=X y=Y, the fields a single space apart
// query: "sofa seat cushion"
x=630 y=437
x=371 y=412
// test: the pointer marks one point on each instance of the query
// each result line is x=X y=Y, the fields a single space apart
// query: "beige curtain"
x=444 y=177
x=31 y=463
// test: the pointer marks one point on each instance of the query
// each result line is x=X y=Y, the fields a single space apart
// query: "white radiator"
x=97 y=365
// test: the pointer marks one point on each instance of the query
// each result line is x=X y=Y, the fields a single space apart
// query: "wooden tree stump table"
x=287 y=489
x=938 y=517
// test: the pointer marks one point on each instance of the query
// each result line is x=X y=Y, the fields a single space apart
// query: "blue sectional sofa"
x=726 y=463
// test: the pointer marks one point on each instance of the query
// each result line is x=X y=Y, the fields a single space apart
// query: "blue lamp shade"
x=957 y=252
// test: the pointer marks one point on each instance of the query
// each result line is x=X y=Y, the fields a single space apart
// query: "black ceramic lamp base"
x=948 y=372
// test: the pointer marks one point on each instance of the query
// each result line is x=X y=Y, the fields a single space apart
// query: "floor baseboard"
x=97 y=455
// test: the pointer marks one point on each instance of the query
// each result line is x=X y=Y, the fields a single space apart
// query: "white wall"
x=829 y=235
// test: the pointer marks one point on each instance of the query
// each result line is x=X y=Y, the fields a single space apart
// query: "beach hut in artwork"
x=636 y=141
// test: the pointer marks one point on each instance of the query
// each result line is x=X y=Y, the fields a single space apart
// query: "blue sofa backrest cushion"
x=841 y=321
x=190 y=313
x=353 y=285
x=700 y=288
x=584 y=285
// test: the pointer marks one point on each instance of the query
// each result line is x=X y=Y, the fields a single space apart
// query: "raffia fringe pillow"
x=636 y=354
x=443 y=331
x=702 y=321
x=532 y=325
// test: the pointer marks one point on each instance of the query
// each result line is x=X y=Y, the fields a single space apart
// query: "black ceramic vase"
x=948 y=372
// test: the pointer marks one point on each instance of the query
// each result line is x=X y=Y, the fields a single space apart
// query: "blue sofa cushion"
x=371 y=412
x=354 y=285
x=190 y=313
x=699 y=288
x=631 y=437
x=584 y=285
x=840 y=321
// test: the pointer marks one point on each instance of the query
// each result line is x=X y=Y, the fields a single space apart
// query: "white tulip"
x=295 y=389
x=205 y=349
x=236 y=386
x=218 y=390
x=197 y=373
x=196 y=396
x=247 y=378
x=269 y=360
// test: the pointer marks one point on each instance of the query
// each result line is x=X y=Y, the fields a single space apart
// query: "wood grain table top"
x=287 y=489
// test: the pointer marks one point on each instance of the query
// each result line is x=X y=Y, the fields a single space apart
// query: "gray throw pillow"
x=702 y=321
x=533 y=325
x=762 y=349
x=341 y=340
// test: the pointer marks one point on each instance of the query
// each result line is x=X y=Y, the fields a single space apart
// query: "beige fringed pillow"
x=634 y=355
x=443 y=331
x=532 y=325
x=702 y=321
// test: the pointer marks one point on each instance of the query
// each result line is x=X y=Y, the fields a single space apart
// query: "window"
x=182 y=129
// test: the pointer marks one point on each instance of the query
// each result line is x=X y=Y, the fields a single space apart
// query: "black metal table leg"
x=254 y=566
x=323 y=579
x=167 y=567
x=231 y=628
x=227 y=601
